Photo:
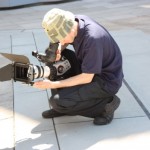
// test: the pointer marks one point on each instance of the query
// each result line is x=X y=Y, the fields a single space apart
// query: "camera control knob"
x=60 y=69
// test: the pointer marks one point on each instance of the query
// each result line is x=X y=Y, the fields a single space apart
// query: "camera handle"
x=50 y=54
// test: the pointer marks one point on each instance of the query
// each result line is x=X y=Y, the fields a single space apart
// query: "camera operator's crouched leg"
x=87 y=100
x=51 y=113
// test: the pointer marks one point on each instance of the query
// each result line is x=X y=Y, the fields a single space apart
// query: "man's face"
x=68 y=39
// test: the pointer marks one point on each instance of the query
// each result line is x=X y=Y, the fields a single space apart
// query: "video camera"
x=22 y=70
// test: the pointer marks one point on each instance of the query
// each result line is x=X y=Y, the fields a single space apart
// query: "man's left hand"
x=44 y=84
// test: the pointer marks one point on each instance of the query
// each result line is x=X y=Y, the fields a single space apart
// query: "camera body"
x=28 y=73
x=21 y=69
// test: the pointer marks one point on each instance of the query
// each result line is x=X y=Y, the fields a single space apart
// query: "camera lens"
x=41 y=72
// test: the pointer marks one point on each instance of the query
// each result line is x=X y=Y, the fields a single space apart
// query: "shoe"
x=113 y=105
x=103 y=119
x=51 y=114
x=107 y=116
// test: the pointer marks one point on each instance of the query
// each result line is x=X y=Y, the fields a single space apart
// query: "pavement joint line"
x=131 y=117
x=14 y=127
x=35 y=41
x=137 y=99
x=54 y=124
x=56 y=134
x=76 y=122
x=54 y=127
x=14 y=137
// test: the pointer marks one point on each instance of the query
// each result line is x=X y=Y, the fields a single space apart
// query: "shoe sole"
x=51 y=114
x=112 y=106
x=108 y=120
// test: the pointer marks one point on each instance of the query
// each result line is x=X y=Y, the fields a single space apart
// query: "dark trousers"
x=87 y=100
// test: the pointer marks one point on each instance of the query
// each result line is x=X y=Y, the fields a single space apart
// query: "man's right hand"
x=58 y=55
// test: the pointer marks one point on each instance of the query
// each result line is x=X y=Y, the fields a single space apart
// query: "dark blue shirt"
x=98 y=53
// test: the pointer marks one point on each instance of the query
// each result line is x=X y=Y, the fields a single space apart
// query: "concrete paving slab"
x=136 y=53
x=71 y=119
x=8 y=32
x=137 y=75
x=130 y=128
x=22 y=39
x=37 y=44
x=128 y=3
x=5 y=50
x=40 y=141
x=22 y=11
x=132 y=42
x=129 y=133
x=129 y=106
x=6 y=100
x=10 y=26
x=25 y=50
x=5 y=42
x=35 y=24
x=6 y=88
x=28 y=108
x=21 y=88
x=31 y=130
x=4 y=61
x=6 y=94
x=7 y=134
x=41 y=40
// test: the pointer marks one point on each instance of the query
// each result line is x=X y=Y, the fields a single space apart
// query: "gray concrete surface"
x=17 y=3
x=21 y=124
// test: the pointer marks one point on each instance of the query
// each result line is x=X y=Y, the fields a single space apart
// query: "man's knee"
x=62 y=105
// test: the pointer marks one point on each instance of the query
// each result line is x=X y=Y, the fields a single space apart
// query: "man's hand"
x=60 y=49
x=58 y=55
x=45 y=84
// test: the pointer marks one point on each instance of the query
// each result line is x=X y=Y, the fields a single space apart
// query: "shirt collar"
x=81 y=29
